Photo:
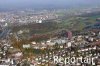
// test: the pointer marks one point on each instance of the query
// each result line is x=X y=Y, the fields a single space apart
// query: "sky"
x=45 y=3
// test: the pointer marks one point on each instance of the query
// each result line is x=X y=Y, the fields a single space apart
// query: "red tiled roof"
x=96 y=43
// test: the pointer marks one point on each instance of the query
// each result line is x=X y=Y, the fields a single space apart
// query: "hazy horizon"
x=45 y=3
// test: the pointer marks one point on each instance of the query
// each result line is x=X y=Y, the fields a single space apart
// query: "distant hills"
x=47 y=4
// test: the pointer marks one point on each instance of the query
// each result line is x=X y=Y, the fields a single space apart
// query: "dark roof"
x=95 y=26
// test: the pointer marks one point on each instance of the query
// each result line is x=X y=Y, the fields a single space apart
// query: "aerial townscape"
x=50 y=36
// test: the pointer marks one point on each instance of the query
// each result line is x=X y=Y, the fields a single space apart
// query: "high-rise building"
x=69 y=34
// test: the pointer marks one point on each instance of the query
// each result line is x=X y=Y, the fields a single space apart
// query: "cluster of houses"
x=78 y=46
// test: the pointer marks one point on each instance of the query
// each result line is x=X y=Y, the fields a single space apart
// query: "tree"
x=56 y=46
